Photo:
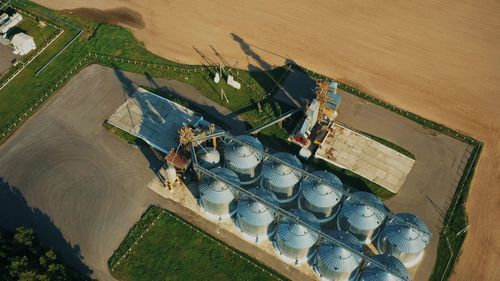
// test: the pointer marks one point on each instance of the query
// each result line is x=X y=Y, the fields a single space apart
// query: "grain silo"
x=322 y=198
x=208 y=157
x=360 y=219
x=282 y=179
x=375 y=273
x=255 y=219
x=244 y=159
x=295 y=242
x=334 y=262
x=216 y=197
x=402 y=241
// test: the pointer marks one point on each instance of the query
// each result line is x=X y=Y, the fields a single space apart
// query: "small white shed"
x=23 y=44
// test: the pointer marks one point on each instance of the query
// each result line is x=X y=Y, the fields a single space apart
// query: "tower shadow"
x=15 y=212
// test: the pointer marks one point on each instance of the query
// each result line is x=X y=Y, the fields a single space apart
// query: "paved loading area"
x=81 y=187
x=350 y=150
x=154 y=119
x=433 y=179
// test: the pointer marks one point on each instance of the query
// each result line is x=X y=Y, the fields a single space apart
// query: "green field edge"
x=459 y=218
x=146 y=220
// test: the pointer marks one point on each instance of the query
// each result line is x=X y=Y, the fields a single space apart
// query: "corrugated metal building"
x=333 y=262
x=361 y=220
x=321 y=198
x=256 y=220
x=282 y=179
x=402 y=241
x=243 y=159
x=374 y=273
x=295 y=242
x=216 y=197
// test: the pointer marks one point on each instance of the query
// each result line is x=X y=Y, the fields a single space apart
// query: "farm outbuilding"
x=23 y=44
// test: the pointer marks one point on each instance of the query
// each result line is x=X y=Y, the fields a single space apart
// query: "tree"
x=24 y=236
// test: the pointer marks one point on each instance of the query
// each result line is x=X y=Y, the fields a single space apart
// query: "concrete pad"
x=154 y=119
x=374 y=161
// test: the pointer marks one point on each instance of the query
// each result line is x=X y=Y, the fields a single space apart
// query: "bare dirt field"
x=438 y=59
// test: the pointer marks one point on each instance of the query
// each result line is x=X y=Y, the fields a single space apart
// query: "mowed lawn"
x=171 y=250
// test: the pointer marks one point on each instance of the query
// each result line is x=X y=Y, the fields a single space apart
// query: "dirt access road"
x=438 y=59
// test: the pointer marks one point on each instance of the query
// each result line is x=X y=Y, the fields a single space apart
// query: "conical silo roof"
x=360 y=215
x=254 y=212
x=405 y=238
x=374 y=273
x=216 y=191
x=334 y=258
x=280 y=175
x=208 y=157
x=321 y=194
x=295 y=235
x=243 y=156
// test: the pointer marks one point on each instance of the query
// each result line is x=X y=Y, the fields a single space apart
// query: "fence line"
x=38 y=52
x=229 y=249
x=136 y=241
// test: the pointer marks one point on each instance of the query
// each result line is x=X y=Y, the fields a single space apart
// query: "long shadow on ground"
x=15 y=212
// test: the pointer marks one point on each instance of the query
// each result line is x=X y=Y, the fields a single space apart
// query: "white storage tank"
x=334 y=262
x=375 y=273
x=403 y=241
x=208 y=157
x=360 y=219
x=281 y=179
x=322 y=198
x=244 y=159
x=255 y=219
x=216 y=197
x=295 y=242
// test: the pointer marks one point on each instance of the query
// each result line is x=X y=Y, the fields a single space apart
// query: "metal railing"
x=292 y=217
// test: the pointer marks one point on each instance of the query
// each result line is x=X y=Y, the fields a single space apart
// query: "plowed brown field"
x=438 y=59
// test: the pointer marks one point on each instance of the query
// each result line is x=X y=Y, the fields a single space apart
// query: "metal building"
x=243 y=159
x=294 y=242
x=333 y=262
x=281 y=179
x=208 y=157
x=374 y=273
x=320 y=198
x=361 y=220
x=256 y=220
x=216 y=197
x=402 y=241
